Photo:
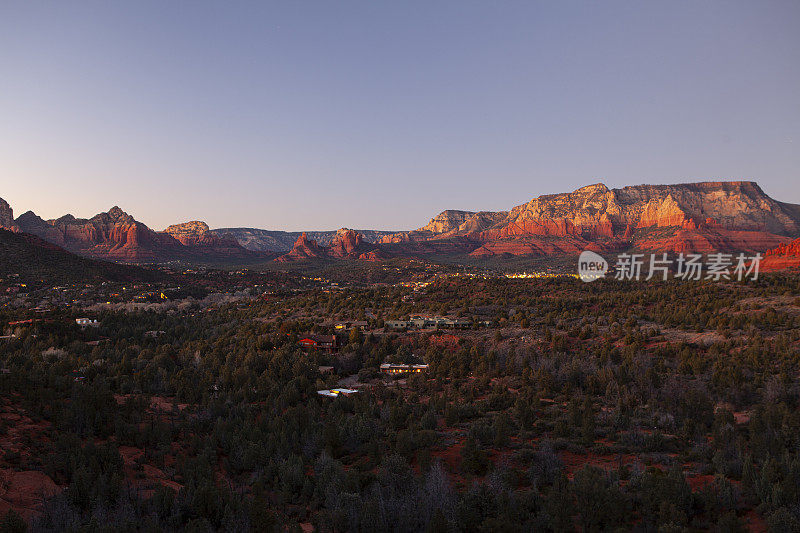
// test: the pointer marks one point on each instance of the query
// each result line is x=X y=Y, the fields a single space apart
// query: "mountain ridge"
x=117 y=235
x=706 y=215
x=263 y=240
x=694 y=216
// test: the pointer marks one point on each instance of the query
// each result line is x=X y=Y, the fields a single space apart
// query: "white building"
x=333 y=393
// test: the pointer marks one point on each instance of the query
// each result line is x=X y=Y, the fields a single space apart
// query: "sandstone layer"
x=701 y=217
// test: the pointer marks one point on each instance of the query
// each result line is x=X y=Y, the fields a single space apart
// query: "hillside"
x=690 y=217
x=34 y=260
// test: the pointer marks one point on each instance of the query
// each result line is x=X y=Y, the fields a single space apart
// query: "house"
x=440 y=322
x=325 y=370
x=326 y=343
x=333 y=393
x=341 y=326
x=83 y=322
x=392 y=368
x=423 y=322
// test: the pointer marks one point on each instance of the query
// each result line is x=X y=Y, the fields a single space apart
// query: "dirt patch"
x=699 y=481
x=575 y=461
x=24 y=491
x=23 y=441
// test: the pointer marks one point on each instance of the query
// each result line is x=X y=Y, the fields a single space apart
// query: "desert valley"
x=399 y=267
x=453 y=377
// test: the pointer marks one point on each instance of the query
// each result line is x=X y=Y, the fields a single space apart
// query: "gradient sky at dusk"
x=316 y=115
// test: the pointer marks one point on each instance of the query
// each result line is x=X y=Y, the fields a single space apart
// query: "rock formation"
x=449 y=223
x=262 y=240
x=197 y=233
x=200 y=240
x=700 y=217
x=194 y=233
x=303 y=248
x=7 y=216
x=596 y=211
x=114 y=235
x=782 y=257
x=346 y=243
x=117 y=235
x=691 y=217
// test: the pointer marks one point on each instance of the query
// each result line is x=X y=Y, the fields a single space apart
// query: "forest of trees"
x=607 y=406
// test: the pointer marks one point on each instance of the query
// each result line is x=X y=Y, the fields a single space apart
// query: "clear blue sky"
x=315 y=115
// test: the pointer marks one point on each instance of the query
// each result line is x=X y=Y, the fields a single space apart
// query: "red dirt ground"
x=574 y=461
x=24 y=491
x=21 y=487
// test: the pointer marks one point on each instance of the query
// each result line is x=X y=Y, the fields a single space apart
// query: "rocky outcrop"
x=696 y=217
x=596 y=211
x=304 y=248
x=588 y=212
x=194 y=233
x=531 y=246
x=117 y=235
x=201 y=241
x=791 y=249
x=701 y=217
x=346 y=244
x=447 y=221
x=262 y=240
x=197 y=234
x=783 y=257
x=708 y=239
x=450 y=223
x=113 y=235
x=7 y=216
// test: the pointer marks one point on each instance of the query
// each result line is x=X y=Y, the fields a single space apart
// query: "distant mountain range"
x=263 y=240
x=691 y=217
x=116 y=235
x=702 y=217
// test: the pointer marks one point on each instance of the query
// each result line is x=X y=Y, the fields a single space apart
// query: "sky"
x=378 y=115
